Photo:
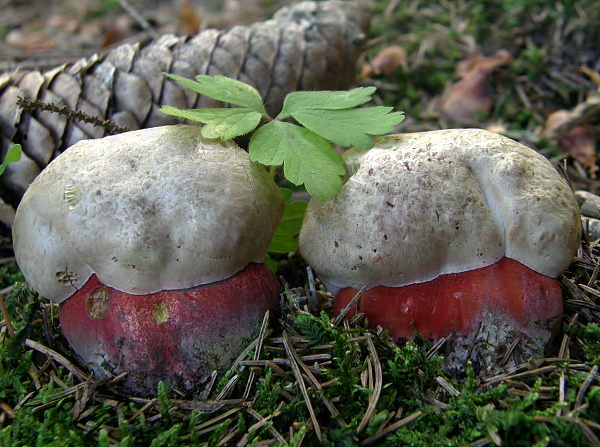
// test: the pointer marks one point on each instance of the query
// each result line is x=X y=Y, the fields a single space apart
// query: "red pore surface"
x=457 y=303
x=176 y=336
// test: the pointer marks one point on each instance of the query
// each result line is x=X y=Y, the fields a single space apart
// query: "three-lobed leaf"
x=325 y=100
x=304 y=152
x=224 y=89
x=307 y=158
x=12 y=156
x=224 y=124
x=350 y=127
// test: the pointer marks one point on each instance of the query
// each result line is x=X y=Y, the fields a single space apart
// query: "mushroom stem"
x=176 y=336
x=457 y=303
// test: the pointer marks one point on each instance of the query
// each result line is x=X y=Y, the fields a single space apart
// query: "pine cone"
x=309 y=46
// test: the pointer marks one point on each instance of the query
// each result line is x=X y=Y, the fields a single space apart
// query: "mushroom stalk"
x=169 y=335
x=454 y=304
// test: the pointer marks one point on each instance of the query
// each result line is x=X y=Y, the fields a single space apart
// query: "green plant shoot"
x=285 y=239
x=12 y=156
x=304 y=147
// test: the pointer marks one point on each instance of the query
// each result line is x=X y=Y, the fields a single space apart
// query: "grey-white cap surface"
x=149 y=210
x=420 y=205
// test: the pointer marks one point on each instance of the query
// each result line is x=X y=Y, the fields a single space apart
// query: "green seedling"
x=303 y=147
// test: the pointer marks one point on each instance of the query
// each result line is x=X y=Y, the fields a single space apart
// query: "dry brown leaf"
x=115 y=32
x=580 y=144
x=577 y=142
x=29 y=41
x=471 y=63
x=554 y=121
x=189 y=19
x=468 y=97
x=560 y=122
x=386 y=62
x=464 y=67
x=472 y=95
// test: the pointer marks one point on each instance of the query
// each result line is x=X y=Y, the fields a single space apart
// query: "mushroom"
x=456 y=233
x=153 y=243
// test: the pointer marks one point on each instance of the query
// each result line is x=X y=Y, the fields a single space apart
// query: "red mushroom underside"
x=177 y=336
x=457 y=303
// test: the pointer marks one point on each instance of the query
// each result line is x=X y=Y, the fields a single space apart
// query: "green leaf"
x=224 y=89
x=12 y=156
x=350 y=127
x=219 y=123
x=285 y=238
x=325 y=100
x=286 y=193
x=307 y=158
x=305 y=152
x=271 y=263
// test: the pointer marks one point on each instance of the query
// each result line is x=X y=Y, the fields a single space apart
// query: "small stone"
x=592 y=227
x=589 y=203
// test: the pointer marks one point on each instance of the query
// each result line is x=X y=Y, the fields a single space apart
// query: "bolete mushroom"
x=153 y=243
x=456 y=232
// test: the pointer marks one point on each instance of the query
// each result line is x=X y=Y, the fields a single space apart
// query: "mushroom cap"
x=150 y=210
x=420 y=205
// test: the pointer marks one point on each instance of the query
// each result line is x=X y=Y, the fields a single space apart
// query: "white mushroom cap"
x=420 y=205
x=150 y=210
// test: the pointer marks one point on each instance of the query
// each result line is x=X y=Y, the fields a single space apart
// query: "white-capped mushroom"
x=448 y=230
x=130 y=233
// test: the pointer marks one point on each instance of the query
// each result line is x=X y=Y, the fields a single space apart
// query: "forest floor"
x=501 y=66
